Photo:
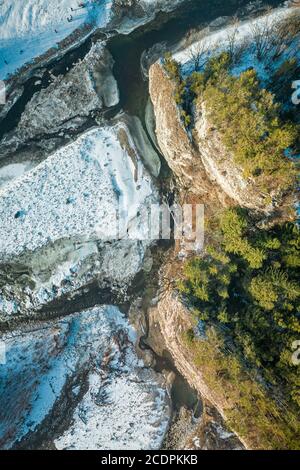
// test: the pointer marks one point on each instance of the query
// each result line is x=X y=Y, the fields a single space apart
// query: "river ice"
x=29 y=28
x=86 y=368
x=75 y=192
x=61 y=219
x=77 y=383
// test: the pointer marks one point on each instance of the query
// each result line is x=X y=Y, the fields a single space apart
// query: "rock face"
x=172 y=137
x=181 y=154
x=220 y=166
x=201 y=164
x=174 y=319
x=171 y=318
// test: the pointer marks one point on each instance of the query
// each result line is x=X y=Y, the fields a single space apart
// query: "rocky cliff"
x=181 y=154
x=200 y=162
x=221 y=168
x=169 y=319
x=205 y=173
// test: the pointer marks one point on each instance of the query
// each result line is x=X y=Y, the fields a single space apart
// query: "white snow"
x=27 y=27
x=218 y=41
x=12 y=171
x=125 y=407
x=132 y=406
x=74 y=193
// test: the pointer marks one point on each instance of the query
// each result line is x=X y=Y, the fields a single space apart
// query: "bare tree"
x=198 y=55
x=275 y=36
x=263 y=32
x=286 y=37
x=232 y=38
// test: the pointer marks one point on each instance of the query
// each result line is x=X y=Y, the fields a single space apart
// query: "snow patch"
x=215 y=42
x=30 y=28
x=12 y=171
x=125 y=407
x=74 y=193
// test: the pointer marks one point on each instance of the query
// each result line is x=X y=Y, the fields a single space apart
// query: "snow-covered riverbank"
x=30 y=28
x=241 y=37
x=60 y=219
x=84 y=367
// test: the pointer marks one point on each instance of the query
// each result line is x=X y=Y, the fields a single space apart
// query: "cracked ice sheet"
x=74 y=193
x=135 y=416
x=126 y=406
x=27 y=27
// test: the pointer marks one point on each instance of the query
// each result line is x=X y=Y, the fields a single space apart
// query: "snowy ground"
x=29 y=28
x=125 y=406
x=218 y=41
x=13 y=171
x=74 y=193
x=60 y=219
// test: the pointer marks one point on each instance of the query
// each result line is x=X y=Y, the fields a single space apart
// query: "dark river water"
x=167 y=28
